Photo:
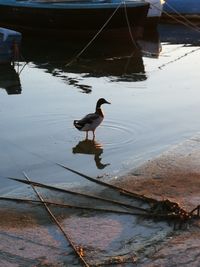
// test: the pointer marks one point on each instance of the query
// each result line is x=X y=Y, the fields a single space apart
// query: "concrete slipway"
x=29 y=237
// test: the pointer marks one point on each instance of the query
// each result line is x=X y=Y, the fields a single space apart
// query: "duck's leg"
x=93 y=135
x=86 y=135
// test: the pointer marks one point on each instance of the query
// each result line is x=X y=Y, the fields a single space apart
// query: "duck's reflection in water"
x=91 y=147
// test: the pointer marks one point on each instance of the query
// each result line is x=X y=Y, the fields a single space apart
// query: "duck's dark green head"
x=102 y=101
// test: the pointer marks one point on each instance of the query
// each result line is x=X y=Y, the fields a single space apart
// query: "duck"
x=92 y=120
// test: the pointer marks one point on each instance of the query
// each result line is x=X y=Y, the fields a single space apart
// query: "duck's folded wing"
x=88 y=119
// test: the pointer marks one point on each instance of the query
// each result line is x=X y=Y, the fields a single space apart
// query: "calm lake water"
x=154 y=93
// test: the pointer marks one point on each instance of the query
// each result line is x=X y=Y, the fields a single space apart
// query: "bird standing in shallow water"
x=91 y=121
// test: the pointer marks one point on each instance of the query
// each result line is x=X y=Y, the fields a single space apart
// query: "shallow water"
x=155 y=104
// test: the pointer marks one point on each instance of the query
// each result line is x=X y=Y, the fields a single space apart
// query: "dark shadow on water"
x=91 y=147
x=179 y=34
x=9 y=79
x=115 y=59
x=99 y=61
x=118 y=61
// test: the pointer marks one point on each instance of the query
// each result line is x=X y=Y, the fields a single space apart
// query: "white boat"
x=154 y=12
x=9 y=45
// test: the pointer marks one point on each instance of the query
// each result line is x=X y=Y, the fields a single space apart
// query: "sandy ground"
x=175 y=175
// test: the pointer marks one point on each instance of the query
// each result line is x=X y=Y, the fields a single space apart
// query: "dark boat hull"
x=35 y=18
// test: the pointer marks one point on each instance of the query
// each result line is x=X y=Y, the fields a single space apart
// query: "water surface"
x=154 y=94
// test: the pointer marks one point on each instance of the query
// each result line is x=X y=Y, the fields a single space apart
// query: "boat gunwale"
x=75 y=5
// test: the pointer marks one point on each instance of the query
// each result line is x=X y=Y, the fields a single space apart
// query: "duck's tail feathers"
x=77 y=125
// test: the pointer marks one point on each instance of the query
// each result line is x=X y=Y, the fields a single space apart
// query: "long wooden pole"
x=76 y=193
x=61 y=205
x=84 y=263
x=114 y=187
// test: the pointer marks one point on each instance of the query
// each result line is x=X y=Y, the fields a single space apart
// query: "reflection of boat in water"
x=118 y=61
x=91 y=147
x=117 y=68
x=9 y=80
x=178 y=34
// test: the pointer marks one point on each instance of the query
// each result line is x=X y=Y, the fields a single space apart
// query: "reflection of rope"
x=181 y=16
x=104 y=25
x=172 y=61
x=20 y=71
x=189 y=25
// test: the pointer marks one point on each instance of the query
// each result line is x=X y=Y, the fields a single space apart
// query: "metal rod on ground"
x=75 y=193
x=33 y=201
x=119 y=189
x=84 y=263
x=148 y=215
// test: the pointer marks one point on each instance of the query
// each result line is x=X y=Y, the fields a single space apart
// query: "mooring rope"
x=191 y=25
x=183 y=17
x=129 y=27
x=95 y=36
